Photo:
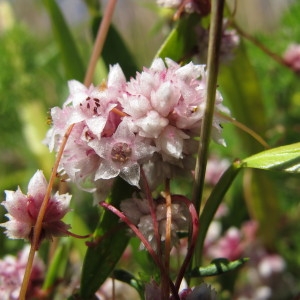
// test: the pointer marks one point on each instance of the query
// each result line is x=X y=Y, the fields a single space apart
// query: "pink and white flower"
x=12 y=271
x=119 y=127
x=23 y=211
x=291 y=57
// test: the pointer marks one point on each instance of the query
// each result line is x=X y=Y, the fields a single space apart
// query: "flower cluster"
x=12 y=271
x=138 y=212
x=119 y=126
x=189 y=6
x=230 y=40
x=292 y=57
x=23 y=211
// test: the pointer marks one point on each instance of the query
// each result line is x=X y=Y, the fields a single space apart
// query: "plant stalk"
x=215 y=35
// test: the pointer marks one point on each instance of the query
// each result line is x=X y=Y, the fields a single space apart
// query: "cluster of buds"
x=138 y=212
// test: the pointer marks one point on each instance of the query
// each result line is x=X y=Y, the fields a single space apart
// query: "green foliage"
x=284 y=159
x=218 y=266
x=70 y=57
x=181 y=41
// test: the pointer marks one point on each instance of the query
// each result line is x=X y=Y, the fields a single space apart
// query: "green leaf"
x=110 y=240
x=218 y=266
x=58 y=263
x=181 y=41
x=241 y=90
x=128 y=278
x=284 y=158
x=71 y=59
x=212 y=205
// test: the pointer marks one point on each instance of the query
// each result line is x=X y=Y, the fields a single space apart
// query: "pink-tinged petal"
x=152 y=125
x=37 y=186
x=165 y=98
x=158 y=65
x=116 y=76
x=172 y=65
x=190 y=71
x=16 y=229
x=16 y=205
x=171 y=141
x=136 y=106
x=58 y=206
x=78 y=93
x=96 y=125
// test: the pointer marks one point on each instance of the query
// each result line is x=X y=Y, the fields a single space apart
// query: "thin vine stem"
x=260 y=45
x=215 y=34
x=246 y=129
x=100 y=39
x=152 y=210
x=39 y=222
x=168 y=234
x=147 y=245
x=192 y=244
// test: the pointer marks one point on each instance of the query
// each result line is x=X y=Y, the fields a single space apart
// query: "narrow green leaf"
x=58 y=263
x=217 y=267
x=110 y=240
x=128 y=278
x=212 y=205
x=71 y=59
x=181 y=41
x=284 y=158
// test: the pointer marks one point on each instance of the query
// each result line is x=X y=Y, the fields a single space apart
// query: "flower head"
x=23 y=211
x=118 y=127
x=138 y=212
x=189 y=6
x=292 y=57
x=12 y=271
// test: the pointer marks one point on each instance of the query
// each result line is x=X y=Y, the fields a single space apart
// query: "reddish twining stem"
x=147 y=245
x=149 y=197
x=168 y=234
x=192 y=244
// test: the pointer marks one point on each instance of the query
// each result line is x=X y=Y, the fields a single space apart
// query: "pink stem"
x=144 y=241
x=195 y=229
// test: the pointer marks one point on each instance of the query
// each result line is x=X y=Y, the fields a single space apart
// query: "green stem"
x=215 y=35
